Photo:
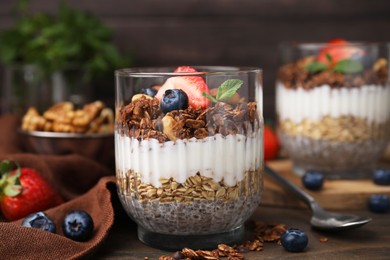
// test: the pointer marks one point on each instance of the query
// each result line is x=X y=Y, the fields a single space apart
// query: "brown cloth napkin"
x=83 y=183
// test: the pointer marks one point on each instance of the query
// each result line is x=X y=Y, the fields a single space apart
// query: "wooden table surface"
x=371 y=241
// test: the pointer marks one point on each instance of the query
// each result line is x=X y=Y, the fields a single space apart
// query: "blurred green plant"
x=52 y=42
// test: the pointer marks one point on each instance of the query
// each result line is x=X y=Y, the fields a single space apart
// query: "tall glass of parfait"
x=333 y=106
x=189 y=152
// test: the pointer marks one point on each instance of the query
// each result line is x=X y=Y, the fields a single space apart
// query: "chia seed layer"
x=202 y=217
x=348 y=160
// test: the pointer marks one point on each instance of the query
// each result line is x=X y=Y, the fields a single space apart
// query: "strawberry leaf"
x=228 y=88
x=12 y=190
x=10 y=181
x=314 y=67
x=6 y=166
x=348 y=66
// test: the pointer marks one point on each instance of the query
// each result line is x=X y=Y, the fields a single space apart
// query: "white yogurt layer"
x=371 y=102
x=215 y=157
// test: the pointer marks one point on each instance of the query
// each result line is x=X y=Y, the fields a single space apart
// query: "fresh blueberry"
x=174 y=99
x=313 y=180
x=149 y=91
x=39 y=220
x=78 y=225
x=379 y=203
x=294 y=240
x=381 y=176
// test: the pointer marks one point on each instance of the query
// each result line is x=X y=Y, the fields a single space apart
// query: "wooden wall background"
x=225 y=32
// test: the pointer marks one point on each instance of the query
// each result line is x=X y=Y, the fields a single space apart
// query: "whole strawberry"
x=271 y=143
x=23 y=191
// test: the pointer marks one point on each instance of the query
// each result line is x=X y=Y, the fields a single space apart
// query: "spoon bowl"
x=321 y=219
x=326 y=220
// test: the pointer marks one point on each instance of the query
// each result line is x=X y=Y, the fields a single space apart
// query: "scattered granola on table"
x=262 y=233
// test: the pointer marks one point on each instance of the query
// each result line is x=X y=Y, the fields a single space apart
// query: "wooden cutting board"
x=335 y=194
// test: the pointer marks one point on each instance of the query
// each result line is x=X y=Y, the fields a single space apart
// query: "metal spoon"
x=321 y=219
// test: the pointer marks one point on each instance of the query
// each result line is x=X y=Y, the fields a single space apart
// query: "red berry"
x=185 y=69
x=337 y=50
x=271 y=143
x=193 y=86
x=35 y=195
x=337 y=41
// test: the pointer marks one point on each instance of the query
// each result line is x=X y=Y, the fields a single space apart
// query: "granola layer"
x=294 y=75
x=143 y=120
x=344 y=129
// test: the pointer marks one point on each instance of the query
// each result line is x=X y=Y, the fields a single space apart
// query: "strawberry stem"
x=10 y=179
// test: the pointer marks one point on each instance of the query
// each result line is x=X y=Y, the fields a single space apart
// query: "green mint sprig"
x=348 y=66
x=345 y=66
x=315 y=66
x=227 y=89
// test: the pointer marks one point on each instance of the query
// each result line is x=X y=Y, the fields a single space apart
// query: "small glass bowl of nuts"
x=65 y=129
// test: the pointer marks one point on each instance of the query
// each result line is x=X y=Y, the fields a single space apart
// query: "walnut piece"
x=63 y=117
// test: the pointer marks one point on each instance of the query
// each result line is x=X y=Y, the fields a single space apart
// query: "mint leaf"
x=228 y=88
x=329 y=57
x=348 y=66
x=315 y=67
x=210 y=97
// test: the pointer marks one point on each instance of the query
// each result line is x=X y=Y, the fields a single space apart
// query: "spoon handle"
x=291 y=186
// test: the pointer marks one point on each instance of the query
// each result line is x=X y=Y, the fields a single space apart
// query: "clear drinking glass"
x=189 y=177
x=333 y=106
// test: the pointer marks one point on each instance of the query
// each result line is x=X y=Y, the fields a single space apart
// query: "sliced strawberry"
x=337 y=50
x=337 y=41
x=185 y=69
x=193 y=86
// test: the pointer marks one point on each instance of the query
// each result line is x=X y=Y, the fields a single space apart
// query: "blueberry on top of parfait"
x=174 y=99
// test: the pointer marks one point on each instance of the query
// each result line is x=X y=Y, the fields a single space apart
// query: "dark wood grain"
x=224 y=32
x=368 y=242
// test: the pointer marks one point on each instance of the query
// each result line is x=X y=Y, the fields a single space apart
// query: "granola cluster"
x=142 y=119
x=63 y=117
x=294 y=75
x=262 y=233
